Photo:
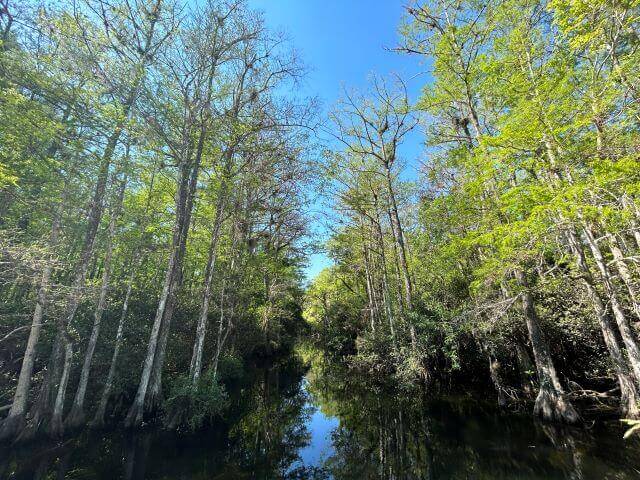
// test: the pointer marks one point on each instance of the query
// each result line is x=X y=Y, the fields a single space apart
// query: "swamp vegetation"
x=159 y=174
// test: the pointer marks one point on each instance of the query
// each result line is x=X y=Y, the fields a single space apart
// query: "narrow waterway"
x=309 y=419
x=321 y=428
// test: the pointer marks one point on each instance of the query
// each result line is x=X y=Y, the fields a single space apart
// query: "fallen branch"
x=16 y=330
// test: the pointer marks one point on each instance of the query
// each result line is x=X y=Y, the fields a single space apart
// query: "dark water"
x=294 y=422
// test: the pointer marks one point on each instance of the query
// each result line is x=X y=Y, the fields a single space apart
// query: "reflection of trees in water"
x=267 y=439
x=400 y=436
x=260 y=439
x=381 y=436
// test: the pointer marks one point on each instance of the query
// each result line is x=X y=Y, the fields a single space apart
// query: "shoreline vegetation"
x=157 y=177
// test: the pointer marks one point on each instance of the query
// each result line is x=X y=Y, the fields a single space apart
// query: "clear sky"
x=343 y=42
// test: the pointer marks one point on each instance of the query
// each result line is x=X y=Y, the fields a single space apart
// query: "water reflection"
x=290 y=422
x=399 y=436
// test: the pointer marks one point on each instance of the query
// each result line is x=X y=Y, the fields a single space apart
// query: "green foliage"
x=230 y=367
x=197 y=404
x=531 y=118
x=186 y=113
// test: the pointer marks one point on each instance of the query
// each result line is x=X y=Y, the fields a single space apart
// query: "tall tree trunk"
x=369 y=284
x=496 y=378
x=195 y=368
x=136 y=412
x=98 y=420
x=15 y=421
x=386 y=295
x=93 y=222
x=629 y=395
x=223 y=333
x=625 y=273
x=42 y=407
x=149 y=389
x=622 y=321
x=551 y=403
x=154 y=396
x=56 y=428
x=525 y=366
x=398 y=234
x=95 y=214
x=96 y=209
x=77 y=415
x=396 y=227
x=630 y=205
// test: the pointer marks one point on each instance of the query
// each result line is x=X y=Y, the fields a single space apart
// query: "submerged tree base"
x=555 y=407
x=76 y=418
x=11 y=427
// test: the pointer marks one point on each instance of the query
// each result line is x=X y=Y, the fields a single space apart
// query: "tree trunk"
x=96 y=209
x=98 y=420
x=77 y=415
x=629 y=395
x=149 y=389
x=154 y=396
x=15 y=421
x=525 y=365
x=398 y=234
x=396 y=227
x=56 y=428
x=625 y=273
x=373 y=304
x=136 y=412
x=551 y=403
x=222 y=333
x=386 y=295
x=629 y=204
x=633 y=352
x=93 y=222
x=95 y=215
x=494 y=371
x=42 y=407
x=195 y=368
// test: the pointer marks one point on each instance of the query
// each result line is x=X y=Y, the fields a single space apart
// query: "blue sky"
x=343 y=42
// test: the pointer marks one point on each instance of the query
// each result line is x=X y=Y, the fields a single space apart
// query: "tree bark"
x=396 y=227
x=41 y=409
x=629 y=394
x=98 y=420
x=633 y=352
x=629 y=204
x=386 y=295
x=625 y=273
x=525 y=366
x=494 y=371
x=551 y=403
x=77 y=415
x=136 y=412
x=93 y=222
x=15 y=420
x=56 y=429
x=371 y=295
x=195 y=368
x=154 y=396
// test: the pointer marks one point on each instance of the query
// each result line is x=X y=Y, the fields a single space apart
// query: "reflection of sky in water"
x=320 y=428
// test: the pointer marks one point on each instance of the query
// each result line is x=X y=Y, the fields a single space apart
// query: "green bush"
x=192 y=406
x=230 y=367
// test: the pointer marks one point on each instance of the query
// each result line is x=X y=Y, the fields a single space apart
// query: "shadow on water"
x=290 y=421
